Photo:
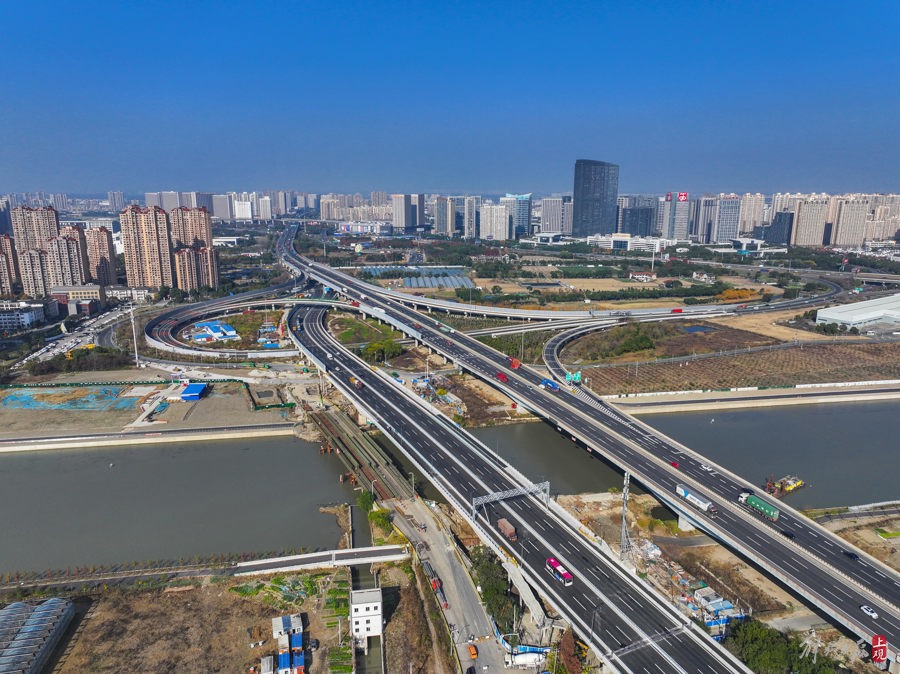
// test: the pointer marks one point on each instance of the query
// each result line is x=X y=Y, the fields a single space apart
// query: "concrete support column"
x=684 y=524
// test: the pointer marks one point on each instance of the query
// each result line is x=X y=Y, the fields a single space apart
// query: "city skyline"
x=708 y=98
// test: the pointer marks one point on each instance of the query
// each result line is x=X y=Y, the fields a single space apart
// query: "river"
x=80 y=507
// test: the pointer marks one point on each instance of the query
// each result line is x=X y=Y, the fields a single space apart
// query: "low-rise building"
x=365 y=613
x=884 y=310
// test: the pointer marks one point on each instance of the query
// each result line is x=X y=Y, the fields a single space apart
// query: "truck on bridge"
x=696 y=500
x=549 y=384
x=356 y=383
x=757 y=505
x=507 y=529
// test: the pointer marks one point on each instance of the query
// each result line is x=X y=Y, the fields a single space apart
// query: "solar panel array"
x=28 y=633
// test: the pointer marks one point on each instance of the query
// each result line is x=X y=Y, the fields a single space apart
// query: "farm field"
x=811 y=364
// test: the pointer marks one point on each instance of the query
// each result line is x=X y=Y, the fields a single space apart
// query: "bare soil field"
x=770 y=324
x=225 y=404
x=206 y=628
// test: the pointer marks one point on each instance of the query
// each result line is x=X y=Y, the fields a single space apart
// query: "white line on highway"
x=575 y=599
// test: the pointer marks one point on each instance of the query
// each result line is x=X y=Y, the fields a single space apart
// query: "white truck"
x=696 y=500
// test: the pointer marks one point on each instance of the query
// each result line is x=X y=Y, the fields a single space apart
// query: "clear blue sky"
x=458 y=96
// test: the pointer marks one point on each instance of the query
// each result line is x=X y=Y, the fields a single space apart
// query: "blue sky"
x=461 y=96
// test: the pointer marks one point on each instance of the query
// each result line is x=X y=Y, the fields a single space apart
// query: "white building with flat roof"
x=365 y=613
x=861 y=314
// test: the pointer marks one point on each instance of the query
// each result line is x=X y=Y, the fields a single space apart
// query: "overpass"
x=826 y=571
x=322 y=560
x=630 y=615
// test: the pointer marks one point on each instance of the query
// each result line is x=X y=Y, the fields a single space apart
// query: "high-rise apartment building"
x=849 y=229
x=441 y=217
x=9 y=264
x=76 y=233
x=703 y=219
x=594 y=200
x=60 y=202
x=752 y=208
x=471 y=215
x=809 y=223
x=190 y=227
x=116 y=201
x=33 y=269
x=147 y=247
x=65 y=262
x=243 y=210
x=402 y=212
x=496 y=225
x=379 y=198
x=208 y=262
x=187 y=272
x=417 y=203
x=33 y=227
x=551 y=214
x=728 y=218
x=101 y=256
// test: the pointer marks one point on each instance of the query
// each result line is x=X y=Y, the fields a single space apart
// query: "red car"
x=502 y=377
x=675 y=464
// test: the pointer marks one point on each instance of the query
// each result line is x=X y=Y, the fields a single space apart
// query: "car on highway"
x=869 y=611
x=674 y=464
x=502 y=377
x=708 y=469
x=851 y=554
x=787 y=534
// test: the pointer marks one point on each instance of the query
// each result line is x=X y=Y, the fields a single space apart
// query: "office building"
x=521 y=214
x=101 y=256
x=222 y=207
x=496 y=225
x=809 y=223
x=673 y=216
x=116 y=201
x=147 y=247
x=779 y=232
x=638 y=221
x=471 y=217
x=33 y=227
x=5 y=216
x=849 y=229
x=728 y=218
x=551 y=214
x=263 y=208
x=594 y=198
x=418 y=210
x=703 y=219
x=567 y=214
x=456 y=208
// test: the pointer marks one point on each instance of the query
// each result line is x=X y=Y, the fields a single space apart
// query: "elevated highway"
x=827 y=572
x=633 y=629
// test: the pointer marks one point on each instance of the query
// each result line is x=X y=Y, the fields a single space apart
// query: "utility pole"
x=137 y=360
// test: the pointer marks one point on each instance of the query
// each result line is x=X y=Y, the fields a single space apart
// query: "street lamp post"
x=596 y=610
x=374 y=493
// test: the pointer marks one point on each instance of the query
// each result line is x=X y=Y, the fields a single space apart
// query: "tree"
x=496 y=290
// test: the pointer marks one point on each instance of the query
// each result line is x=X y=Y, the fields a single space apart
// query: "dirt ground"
x=862 y=533
x=408 y=644
x=771 y=325
x=204 y=628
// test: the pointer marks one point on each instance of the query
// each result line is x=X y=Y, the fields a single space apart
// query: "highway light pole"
x=137 y=360
x=596 y=610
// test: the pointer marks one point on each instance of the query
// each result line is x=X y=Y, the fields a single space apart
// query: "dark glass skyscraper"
x=594 y=202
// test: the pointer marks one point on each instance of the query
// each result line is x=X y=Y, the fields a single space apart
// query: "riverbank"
x=750 y=398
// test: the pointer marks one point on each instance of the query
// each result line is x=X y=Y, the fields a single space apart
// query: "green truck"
x=758 y=505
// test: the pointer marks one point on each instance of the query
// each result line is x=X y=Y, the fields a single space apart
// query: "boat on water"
x=783 y=486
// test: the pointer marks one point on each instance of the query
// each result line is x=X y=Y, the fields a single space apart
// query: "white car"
x=869 y=611
x=708 y=469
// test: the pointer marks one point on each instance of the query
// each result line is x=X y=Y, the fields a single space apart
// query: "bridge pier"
x=684 y=524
